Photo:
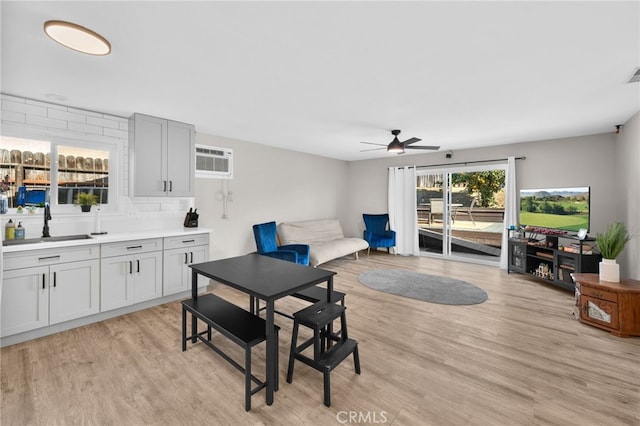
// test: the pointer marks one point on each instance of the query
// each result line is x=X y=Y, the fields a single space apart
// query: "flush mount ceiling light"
x=77 y=37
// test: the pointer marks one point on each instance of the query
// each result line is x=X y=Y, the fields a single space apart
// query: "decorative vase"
x=85 y=208
x=609 y=271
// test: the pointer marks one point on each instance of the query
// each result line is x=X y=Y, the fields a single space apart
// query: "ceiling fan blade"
x=431 y=147
x=371 y=143
x=410 y=141
x=372 y=149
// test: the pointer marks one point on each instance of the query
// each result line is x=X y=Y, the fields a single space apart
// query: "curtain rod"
x=470 y=162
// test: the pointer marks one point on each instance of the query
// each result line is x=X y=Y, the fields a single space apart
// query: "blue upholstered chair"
x=376 y=232
x=267 y=245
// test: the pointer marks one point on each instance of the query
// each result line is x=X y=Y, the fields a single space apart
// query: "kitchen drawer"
x=131 y=247
x=186 y=241
x=599 y=294
x=30 y=259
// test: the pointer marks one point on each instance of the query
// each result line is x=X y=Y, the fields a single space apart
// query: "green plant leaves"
x=612 y=242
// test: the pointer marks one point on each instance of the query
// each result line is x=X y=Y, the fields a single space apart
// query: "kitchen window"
x=38 y=171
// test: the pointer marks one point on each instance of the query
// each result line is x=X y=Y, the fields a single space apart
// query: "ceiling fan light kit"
x=395 y=145
x=398 y=147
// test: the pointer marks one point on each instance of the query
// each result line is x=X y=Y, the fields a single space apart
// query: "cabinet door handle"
x=55 y=279
x=164 y=186
x=130 y=267
x=43 y=278
x=191 y=257
x=138 y=265
x=188 y=241
x=170 y=186
x=185 y=258
x=134 y=247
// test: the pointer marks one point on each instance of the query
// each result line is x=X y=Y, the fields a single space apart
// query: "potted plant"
x=85 y=201
x=611 y=244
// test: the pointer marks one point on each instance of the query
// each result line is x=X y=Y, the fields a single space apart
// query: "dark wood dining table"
x=265 y=278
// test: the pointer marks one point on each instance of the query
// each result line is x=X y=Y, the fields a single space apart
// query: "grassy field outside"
x=546 y=220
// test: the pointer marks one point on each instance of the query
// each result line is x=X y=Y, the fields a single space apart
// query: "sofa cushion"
x=324 y=251
x=309 y=231
x=324 y=236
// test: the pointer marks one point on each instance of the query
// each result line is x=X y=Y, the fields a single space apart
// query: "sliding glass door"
x=461 y=212
x=430 y=194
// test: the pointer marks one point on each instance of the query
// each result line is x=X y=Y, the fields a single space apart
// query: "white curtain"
x=511 y=209
x=403 y=215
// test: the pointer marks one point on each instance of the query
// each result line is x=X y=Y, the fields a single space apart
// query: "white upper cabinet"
x=161 y=157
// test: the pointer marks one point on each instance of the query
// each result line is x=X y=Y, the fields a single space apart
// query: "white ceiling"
x=319 y=77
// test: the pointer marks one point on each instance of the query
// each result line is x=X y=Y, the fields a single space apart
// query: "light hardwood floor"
x=518 y=359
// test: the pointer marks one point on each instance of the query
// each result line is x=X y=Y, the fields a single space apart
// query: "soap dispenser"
x=10 y=230
x=20 y=232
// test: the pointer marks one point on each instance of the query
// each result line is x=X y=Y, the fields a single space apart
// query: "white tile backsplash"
x=85 y=128
x=33 y=110
x=66 y=115
x=49 y=123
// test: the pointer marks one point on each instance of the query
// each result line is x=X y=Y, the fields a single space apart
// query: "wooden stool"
x=319 y=317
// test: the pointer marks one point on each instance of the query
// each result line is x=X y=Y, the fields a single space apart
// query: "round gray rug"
x=430 y=288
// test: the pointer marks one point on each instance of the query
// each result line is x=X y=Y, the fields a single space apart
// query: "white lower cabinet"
x=73 y=290
x=43 y=287
x=25 y=300
x=130 y=272
x=179 y=253
x=47 y=287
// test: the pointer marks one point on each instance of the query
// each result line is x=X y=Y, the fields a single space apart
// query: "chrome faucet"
x=47 y=218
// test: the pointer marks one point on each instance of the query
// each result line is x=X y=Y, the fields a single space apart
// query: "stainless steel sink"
x=47 y=239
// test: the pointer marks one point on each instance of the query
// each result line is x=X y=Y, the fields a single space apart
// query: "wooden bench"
x=242 y=327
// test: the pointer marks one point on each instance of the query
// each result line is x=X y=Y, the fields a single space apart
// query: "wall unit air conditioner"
x=213 y=162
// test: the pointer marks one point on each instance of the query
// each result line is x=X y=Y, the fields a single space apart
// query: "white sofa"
x=324 y=237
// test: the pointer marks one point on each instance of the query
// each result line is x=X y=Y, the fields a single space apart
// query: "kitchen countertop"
x=111 y=237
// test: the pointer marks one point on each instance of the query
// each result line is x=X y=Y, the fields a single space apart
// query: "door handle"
x=130 y=267
x=164 y=187
x=170 y=186
x=43 y=278
x=191 y=257
x=55 y=279
x=185 y=258
x=138 y=264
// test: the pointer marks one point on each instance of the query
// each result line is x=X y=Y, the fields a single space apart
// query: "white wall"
x=628 y=193
x=268 y=184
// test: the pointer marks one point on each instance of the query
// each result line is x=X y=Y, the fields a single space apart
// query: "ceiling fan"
x=398 y=147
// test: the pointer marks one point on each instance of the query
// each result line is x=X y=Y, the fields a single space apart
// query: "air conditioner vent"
x=213 y=162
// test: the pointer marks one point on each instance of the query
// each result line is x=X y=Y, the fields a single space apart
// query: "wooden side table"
x=614 y=307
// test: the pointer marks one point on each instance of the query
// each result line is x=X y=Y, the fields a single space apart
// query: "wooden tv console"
x=614 y=307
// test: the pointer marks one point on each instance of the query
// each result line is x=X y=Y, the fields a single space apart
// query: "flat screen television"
x=565 y=209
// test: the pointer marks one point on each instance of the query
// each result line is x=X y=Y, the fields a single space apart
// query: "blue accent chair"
x=376 y=232
x=267 y=245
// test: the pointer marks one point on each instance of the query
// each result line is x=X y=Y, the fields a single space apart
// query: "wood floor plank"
x=520 y=358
